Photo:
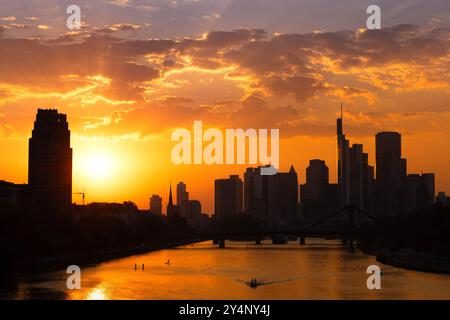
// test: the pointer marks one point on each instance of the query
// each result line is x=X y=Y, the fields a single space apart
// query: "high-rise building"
x=271 y=198
x=228 y=196
x=318 y=198
x=283 y=197
x=316 y=179
x=156 y=204
x=191 y=210
x=428 y=180
x=343 y=164
x=355 y=176
x=409 y=192
x=182 y=194
x=390 y=173
x=50 y=162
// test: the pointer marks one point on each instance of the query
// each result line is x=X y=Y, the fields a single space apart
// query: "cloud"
x=118 y=27
x=9 y=18
x=263 y=80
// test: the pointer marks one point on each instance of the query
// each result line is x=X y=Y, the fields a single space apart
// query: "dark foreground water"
x=322 y=269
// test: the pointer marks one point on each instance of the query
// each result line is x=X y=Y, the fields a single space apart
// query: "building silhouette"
x=271 y=198
x=318 y=198
x=156 y=204
x=182 y=194
x=228 y=197
x=442 y=200
x=191 y=210
x=172 y=210
x=282 y=197
x=356 y=182
x=50 y=163
x=429 y=182
x=255 y=194
x=390 y=173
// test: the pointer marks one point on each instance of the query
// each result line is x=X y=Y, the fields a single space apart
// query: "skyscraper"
x=428 y=180
x=254 y=201
x=191 y=210
x=182 y=194
x=390 y=173
x=156 y=204
x=316 y=179
x=50 y=163
x=343 y=164
x=271 y=198
x=355 y=176
x=283 y=209
x=228 y=197
x=318 y=198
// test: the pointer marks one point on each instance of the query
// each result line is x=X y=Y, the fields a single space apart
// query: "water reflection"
x=322 y=269
x=97 y=294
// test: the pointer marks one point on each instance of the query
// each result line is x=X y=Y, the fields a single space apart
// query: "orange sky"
x=124 y=94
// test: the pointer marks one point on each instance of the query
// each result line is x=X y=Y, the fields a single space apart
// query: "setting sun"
x=98 y=165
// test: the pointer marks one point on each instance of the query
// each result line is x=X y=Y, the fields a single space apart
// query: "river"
x=321 y=269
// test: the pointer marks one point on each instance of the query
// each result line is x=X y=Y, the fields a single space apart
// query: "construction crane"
x=82 y=194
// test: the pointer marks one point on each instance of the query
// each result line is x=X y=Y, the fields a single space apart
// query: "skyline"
x=389 y=139
x=125 y=86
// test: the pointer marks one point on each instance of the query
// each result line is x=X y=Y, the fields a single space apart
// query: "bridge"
x=349 y=232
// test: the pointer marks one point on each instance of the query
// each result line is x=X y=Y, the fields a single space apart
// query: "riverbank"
x=411 y=260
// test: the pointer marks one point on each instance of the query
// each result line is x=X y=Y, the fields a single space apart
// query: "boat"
x=253 y=283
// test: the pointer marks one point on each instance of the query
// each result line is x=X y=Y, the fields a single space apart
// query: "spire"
x=170 y=206
x=170 y=194
x=341 y=111
x=292 y=170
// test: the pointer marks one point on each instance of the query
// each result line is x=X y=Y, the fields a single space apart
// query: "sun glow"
x=98 y=165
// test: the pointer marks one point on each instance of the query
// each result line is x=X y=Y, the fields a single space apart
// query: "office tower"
x=316 y=179
x=428 y=180
x=156 y=204
x=417 y=192
x=228 y=196
x=50 y=163
x=390 y=173
x=343 y=164
x=254 y=193
x=409 y=192
x=318 y=198
x=192 y=211
x=271 y=198
x=361 y=178
x=355 y=176
x=283 y=209
x=182 y=194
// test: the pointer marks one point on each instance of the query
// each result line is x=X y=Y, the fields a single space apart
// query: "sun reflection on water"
x=98 y=293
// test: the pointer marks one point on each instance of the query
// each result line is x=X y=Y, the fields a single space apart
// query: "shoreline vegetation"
x=411 y=260
x=418 y=241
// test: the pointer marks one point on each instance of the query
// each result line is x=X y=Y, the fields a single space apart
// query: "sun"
x=99 y=165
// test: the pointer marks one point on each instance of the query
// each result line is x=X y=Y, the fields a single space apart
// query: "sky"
x=137 y=70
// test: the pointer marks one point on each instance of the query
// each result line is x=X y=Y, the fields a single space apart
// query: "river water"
x=321 y=269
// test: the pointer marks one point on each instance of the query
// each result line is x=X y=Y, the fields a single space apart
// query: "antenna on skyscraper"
x=341 y=109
